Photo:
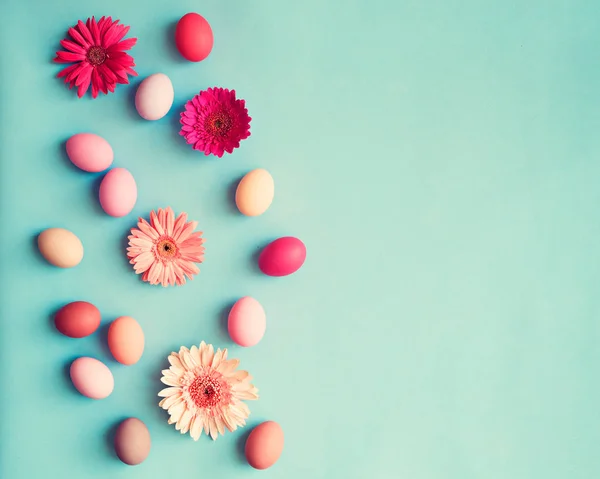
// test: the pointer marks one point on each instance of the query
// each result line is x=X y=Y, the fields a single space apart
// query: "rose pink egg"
x=247 y=322
x=77 y=319
x=264 y=445
x=193 y=37
x=92 y=378
x=282 y=257
x=89 y=152
x=118 y=192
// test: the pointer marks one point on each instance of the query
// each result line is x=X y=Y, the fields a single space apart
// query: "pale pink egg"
x=247 y=322
x=118 y=192
x=89 y=152
x=92 y=378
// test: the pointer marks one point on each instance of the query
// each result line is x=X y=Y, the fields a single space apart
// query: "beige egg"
x=60 y=247
x=255 y=192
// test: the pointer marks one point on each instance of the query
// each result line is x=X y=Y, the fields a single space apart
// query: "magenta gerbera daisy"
x=97 y=53
x=215 y=122
x=166 y=249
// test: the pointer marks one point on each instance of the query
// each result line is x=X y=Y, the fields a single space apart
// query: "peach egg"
x=126 y=340
x=255 y=192
x=264 y=445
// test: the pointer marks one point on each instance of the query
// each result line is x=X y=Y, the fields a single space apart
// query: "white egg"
x=154 y=97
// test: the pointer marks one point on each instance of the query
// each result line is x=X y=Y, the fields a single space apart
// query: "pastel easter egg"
x=60 y=247
x=77 y=319
x=247 y=322
x=264 y=445
x=92 y=378
x=193 y=37
x=154 y=97
x=118 y=192
x=89 y=152
x=126 y=340
x=282 y=257
x=255 y=192
x=132 y=441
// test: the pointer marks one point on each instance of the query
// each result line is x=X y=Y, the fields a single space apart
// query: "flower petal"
x=173 y=359
x=85 y=33
x=169 y=392
x=196 y=429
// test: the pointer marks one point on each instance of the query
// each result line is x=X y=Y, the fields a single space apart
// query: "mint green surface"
x=440 y=161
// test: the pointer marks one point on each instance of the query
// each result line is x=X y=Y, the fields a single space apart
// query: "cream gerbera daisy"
x=206 y=391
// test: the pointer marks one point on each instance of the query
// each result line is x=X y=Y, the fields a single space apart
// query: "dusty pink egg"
x=89 y=152
x=92 y=378
x=247 y=322
x=118 y=192
x=282 y=257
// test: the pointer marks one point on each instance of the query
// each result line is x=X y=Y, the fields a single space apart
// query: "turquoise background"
x=440 y=161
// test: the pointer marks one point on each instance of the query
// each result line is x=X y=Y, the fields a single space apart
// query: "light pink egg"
x=92 y=378
x=247 y=322
x=89 y=152
x=118 y=192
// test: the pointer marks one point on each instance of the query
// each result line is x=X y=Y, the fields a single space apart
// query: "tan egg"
x=126 y=340
x=60 y=247
x=255 y=192
x=132 y=441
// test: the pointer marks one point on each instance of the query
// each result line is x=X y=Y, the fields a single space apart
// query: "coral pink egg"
x=193 y=37
x=92 y=378
x=126 y=340
x=282 y=257
x=118 y=192
x=77 y=319
x=247 y=322
x=264 y=445
x=89 y=152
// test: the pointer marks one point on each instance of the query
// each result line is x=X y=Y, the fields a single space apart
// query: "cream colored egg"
x=154 y=97
x=60 y=247
x=255 y=192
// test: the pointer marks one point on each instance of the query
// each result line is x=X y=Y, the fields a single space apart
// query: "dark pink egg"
x=282 y=257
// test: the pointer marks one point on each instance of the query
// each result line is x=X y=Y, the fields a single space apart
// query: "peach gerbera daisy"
x=205 y=391
x=165 y=250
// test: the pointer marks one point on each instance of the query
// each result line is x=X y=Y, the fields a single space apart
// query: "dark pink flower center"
x=218 y=123
x=209 y=391
x=96 y=55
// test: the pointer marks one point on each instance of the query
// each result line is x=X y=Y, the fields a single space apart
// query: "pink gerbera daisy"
x=97 y=52
x=205 y=391
x=166 y=249
x=214 y=121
